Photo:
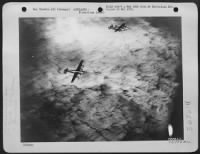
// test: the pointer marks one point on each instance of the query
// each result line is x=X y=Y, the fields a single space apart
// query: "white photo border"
x=11 y=93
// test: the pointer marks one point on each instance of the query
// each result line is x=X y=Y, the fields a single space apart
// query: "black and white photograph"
x=100 y=79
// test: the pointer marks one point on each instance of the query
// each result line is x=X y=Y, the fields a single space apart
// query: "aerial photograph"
x=88 y=79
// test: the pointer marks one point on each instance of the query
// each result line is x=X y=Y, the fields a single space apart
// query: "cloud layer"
x=139 y=64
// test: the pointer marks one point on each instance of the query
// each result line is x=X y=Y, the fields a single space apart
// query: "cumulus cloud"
x=72 y=39
x=140 y=64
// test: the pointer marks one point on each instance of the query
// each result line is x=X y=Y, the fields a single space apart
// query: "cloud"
x=137 y=67
x=71 y=39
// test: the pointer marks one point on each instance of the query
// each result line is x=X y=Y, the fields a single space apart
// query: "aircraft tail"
x=66 y=70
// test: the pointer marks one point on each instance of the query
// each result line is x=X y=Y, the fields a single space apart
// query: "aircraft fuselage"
x=75 y=71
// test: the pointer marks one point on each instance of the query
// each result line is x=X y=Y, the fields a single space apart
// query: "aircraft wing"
x=77 y=69
x=74 y=77
x=79 y=66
